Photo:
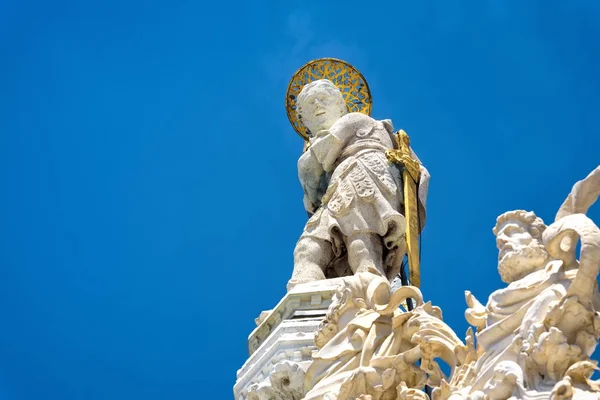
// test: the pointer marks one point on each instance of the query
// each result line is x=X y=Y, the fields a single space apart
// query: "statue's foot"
x=291 y=284
x=304 y=277
x=370 y=267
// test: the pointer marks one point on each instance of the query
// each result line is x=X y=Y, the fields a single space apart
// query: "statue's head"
x=319 y=105
x=519 y=241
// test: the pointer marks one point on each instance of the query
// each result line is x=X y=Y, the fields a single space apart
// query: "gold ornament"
x=344 y=76
x=411 y=171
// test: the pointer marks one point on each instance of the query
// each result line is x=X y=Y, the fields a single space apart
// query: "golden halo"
x=351 y=83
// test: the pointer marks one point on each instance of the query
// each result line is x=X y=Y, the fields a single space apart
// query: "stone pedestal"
x=282 y=344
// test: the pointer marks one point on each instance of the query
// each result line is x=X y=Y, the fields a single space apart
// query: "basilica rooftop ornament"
x=342 y=332
x=344 y=76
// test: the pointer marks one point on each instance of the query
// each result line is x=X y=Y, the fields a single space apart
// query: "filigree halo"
x=344 y=76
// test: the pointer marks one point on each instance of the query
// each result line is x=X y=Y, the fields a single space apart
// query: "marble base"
x=284 y=341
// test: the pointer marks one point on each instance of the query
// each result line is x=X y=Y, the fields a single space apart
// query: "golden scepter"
x=410 y=177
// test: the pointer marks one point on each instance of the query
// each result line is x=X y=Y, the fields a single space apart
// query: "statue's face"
x=519 y=252
x=320 y=104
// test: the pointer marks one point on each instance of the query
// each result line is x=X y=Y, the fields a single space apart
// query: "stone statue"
x=351 y=190
x=536 y=335
x=533 y=338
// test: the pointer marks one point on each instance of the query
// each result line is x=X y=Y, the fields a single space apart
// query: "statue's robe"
x=376 y=352
x=364 y=193
x=513 y=310
x=335 y=367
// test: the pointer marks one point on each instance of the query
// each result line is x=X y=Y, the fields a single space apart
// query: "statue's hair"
x=327 y=84
x=535 y=223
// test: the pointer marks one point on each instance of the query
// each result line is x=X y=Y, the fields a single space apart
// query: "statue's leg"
x=311 y=256
x=365 y=250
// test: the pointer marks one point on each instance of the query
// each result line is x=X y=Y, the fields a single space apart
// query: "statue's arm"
x=328 y=145
x=310 y=172
x=324 y=150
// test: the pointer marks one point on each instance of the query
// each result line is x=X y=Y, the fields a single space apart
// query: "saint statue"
x=352 y=191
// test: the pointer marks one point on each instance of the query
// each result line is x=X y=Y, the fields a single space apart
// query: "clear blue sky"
x=150 y=201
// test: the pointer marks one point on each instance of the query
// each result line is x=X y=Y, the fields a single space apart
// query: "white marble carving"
x=353 y=192
x=311 y=298
x=536 y=335
x=285 y=382
x=369 y=348
x=284 y=335
x=533 y=338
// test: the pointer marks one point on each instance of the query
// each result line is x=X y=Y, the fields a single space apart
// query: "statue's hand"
x=476 y=314
x=404 y=161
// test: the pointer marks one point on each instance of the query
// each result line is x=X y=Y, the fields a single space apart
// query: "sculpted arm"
x=328 y=145
x=325 y=148
x=310 y=172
